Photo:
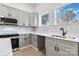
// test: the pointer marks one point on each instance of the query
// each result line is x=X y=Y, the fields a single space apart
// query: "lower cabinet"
x=58 y=47
x=34 y=40
x=24 y=40
x=38 y=41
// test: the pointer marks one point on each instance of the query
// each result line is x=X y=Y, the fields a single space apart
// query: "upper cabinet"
x=23 y=18
x=68 y=13
x=33 y=19
x=7 y=11
x=27 y=18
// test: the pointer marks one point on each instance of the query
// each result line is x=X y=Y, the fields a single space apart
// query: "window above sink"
x=68 y=13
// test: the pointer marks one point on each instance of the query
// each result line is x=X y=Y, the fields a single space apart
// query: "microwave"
x=8 y=21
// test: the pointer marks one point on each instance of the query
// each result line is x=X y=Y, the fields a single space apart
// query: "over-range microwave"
x=8 y=21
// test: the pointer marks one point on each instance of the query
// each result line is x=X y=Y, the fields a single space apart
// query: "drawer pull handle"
x=55 y=48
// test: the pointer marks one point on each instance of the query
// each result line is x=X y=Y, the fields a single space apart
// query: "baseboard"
x=35 y=48
x=29 y=46
x=11 y=54
x=25 y=47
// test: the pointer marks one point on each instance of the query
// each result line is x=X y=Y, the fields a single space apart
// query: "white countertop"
x=50 y=35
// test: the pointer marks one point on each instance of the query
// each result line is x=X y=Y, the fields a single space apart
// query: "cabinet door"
x=26 y=40
x=5 y=10
x=67 y=48
x=12 y=12
x=33 y=19
x=34 y=40
x=50 y=46
x=0 y=10
x=20 y=18
x=25 y=17
x=21 y=40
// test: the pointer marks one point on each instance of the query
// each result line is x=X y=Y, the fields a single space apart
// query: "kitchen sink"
x=58 y=36
x=62 y=36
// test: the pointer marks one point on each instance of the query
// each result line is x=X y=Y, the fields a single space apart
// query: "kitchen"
x=35 y=29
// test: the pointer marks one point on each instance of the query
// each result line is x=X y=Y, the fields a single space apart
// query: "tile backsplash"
x=13 y=29
x=72 y=29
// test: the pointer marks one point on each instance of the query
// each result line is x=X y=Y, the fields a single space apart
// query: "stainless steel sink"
x=58 y=36
x=62 y=36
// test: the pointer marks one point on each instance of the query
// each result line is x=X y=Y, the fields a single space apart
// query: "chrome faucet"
x=63 y=31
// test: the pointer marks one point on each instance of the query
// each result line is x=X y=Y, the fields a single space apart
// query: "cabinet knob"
x=9 y=14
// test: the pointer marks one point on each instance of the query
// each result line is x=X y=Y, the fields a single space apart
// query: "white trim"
x=29 y=46
x=25 y=47
x=35 y=48
x=11 y=54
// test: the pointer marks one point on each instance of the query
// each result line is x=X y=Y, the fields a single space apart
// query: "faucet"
x=63 y=31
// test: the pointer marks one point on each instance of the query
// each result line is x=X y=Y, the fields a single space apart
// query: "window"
x=68 y=13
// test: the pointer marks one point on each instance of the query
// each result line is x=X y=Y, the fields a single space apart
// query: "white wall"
x=22 y=6
x=42 y=8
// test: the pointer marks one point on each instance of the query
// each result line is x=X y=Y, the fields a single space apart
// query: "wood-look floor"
x=30 y=51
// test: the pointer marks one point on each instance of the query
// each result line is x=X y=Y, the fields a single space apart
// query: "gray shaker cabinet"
x=24 y=40
x=23 y=18
x=7 y=11
x=33 y=19
x=50 y=47
x=34 y=40
x=67 y=48
x=58 y=47
x=20 y=17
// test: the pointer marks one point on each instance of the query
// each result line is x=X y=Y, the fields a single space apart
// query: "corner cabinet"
x=58 y=47
x=24 y=40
